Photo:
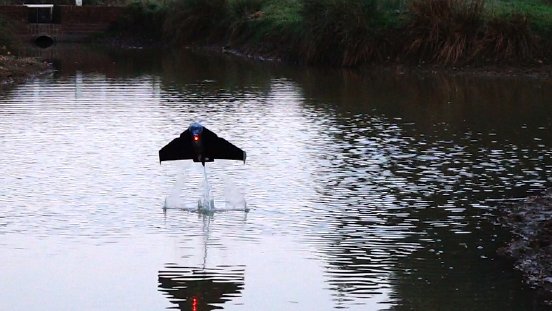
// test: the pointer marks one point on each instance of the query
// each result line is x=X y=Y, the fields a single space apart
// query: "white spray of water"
x=174 y=200
x=234 y=199
x=206 y=203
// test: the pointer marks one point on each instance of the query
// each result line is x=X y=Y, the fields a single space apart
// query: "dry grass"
x=443 y=31
x=507 y=39
x=457 y=32
x=342 y=32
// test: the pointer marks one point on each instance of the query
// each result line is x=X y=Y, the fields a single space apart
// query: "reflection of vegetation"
x=453 y=272
x=429 y=256
x=232 y=75
x=201 y=289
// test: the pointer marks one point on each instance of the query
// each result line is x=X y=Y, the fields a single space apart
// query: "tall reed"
x=455 y=32
x=443 y=31
x=351 y=33
x=506 y=38
x=343 y=32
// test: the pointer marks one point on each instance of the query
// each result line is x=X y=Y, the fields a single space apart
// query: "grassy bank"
x=351 y=33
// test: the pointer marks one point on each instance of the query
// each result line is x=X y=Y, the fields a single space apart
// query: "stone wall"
x=16 y=13
x=72 y=23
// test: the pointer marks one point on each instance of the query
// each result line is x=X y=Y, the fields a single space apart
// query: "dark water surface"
x=372 y=192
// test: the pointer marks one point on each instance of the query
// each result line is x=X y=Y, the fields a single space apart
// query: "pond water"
x=366 y=192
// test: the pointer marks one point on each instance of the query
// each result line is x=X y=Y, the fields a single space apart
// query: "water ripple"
x=363 y=196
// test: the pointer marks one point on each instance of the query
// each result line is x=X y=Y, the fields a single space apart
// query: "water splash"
x=174 y=200
x=234 y=199
x=206 y=203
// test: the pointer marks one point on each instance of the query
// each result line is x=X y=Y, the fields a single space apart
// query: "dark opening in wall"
x=44 y=41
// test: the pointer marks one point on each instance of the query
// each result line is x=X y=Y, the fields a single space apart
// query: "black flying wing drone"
x=199 y=144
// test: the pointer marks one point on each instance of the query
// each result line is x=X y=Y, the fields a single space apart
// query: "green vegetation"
x=350 y=33
x=460 y=31
x=339 y=32
x=196 y=21
x=345 y=32
x=538 y=12
x=443 y=31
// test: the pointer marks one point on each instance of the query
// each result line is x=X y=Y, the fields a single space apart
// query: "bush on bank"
x=350 y=33
x=196 y=21
x=346 y=32
x=142 y=19
x=462 y=31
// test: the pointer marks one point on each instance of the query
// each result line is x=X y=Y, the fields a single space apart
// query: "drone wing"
x=219 y=148
x=180 y=148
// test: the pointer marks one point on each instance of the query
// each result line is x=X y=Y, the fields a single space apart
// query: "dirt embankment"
x=531 y=249
x=14 y=69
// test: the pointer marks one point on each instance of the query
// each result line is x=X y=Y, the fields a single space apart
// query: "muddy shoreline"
x=531 y=247
x=15 y=69
x=543 y=72
x=531 y=71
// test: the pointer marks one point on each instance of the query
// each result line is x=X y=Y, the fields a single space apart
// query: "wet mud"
x=15 y=69
x=531 y=246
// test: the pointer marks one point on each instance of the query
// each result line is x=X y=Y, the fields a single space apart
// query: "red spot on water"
x=194 y=303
